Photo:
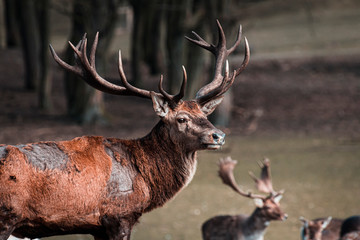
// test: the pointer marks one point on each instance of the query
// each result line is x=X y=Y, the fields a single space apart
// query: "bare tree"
x=33 y=21
x=30 y=40
x=11 y=23
x=44 y=88
x=2 y=26
x=85 y=104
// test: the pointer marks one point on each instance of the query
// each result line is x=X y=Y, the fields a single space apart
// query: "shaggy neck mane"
x=164 y=165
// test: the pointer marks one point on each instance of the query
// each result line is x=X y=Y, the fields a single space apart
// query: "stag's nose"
x=219 y=137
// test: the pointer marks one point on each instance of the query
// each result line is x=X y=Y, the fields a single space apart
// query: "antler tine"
x=220 y=84
x=181 y=93
x=93 y=50
x=87 y=71
x=264 y=184
x=134 y=90
x=85 y=68
x=226 y=167
x=237 y=41
x=246 y=58
x=63 y=64
x=95 y=80
x=201 y=42
x=174 y=99
x=224 y=86
x=162 y=91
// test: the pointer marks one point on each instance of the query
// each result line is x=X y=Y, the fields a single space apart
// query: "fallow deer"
x=350 y=228
x=321 y=228
x=101 y=186
x=243 y=227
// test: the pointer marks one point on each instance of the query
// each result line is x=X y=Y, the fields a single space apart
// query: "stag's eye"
x=182 y=120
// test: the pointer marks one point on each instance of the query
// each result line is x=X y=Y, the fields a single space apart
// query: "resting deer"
x=243 y=227
x=101 y=186
x=350 y=228
x=321 y=228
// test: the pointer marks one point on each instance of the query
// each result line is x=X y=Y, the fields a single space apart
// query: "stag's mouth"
x=214 y=146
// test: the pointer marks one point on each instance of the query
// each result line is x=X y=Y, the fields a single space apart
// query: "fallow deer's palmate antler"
x=264 y=184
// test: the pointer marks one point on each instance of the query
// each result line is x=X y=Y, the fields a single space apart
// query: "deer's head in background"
x=268 y=207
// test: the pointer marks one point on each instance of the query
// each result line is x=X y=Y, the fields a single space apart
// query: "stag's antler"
x=220 y=84
x=85 y=68
x=226 y=173
x=264 y=184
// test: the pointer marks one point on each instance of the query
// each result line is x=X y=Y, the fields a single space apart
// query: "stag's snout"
x=219 y=137
x=216 y=139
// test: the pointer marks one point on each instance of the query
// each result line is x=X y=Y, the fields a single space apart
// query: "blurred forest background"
x=298 y=101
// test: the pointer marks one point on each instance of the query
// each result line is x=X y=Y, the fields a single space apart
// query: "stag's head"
x=268 y=206
x=186 y=121
x=187 y=124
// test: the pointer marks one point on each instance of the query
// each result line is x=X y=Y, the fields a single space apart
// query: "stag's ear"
x=161 y=107
x=210 y=106
x=259 y=202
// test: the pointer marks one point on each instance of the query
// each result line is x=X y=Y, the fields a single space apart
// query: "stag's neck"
x=255 y=225
x=164 y=165
x=159 y=139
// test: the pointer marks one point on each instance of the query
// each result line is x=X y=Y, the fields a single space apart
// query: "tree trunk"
x=85 y=104
x=143 y=12
x=176 y=18
x=2 y=25
x=12 y=23
x=152 y=40
x=30 y=40
x=196 y=57
x=45 y=79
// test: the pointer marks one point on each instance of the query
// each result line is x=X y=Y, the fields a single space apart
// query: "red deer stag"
x=350 y=229
x=243 y=227
x=101 y=186
x=321 y=228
